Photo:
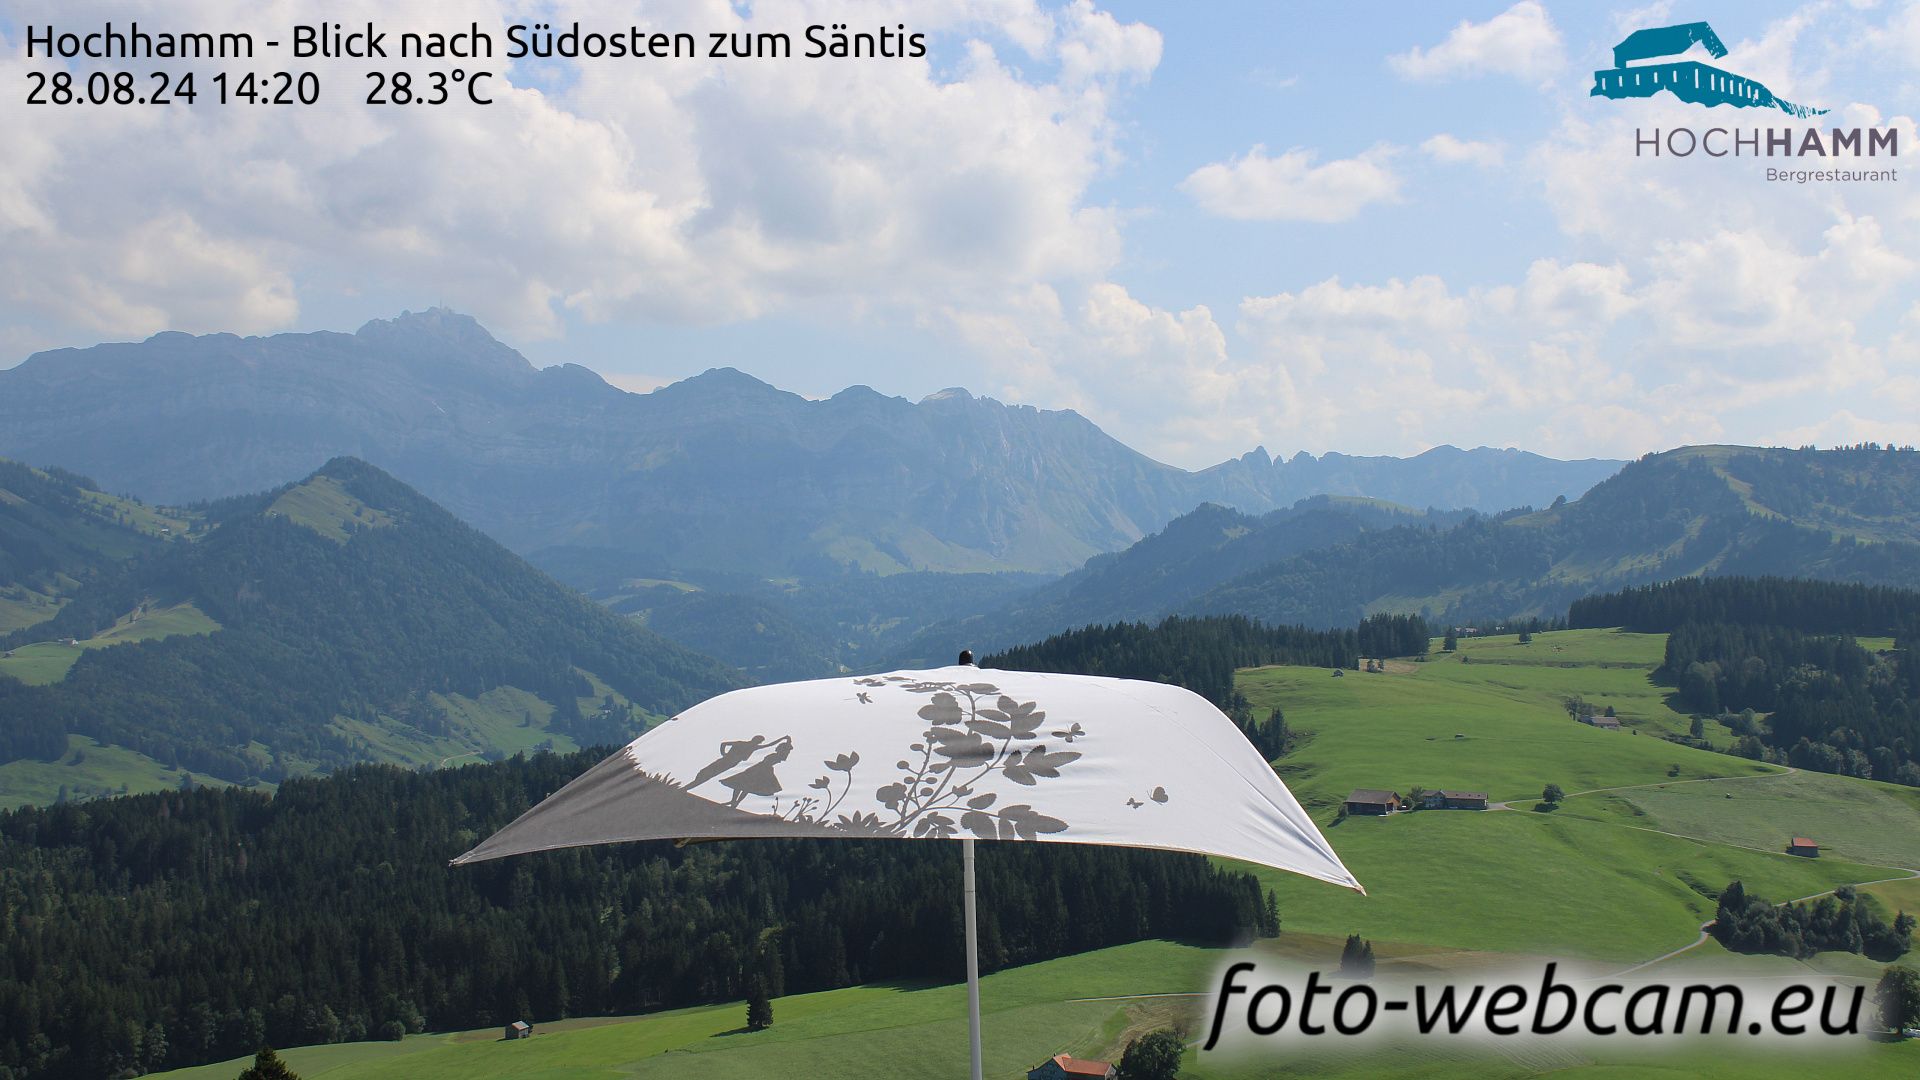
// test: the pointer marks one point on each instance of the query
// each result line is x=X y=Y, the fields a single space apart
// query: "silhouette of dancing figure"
x=732 y=753
x=758 y=778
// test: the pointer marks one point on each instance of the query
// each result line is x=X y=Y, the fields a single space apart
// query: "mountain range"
x=1835 y=515
x=1838 y=515
x=717 y=472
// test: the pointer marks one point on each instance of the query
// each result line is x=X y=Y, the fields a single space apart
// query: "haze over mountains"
x=720 y=518
x=718 y=472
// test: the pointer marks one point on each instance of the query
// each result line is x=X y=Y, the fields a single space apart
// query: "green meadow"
x=324 y=505
x=1622 y=873
x=1851 y=819
x=88 y=770
x=49 y=661
x=1088 y=1005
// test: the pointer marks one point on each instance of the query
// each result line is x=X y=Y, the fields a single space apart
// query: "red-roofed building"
x=1063 y=1067
x=1802 y=846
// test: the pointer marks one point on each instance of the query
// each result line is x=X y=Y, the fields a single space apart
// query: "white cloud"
x=687 y=190
x=1158 y=379
x=1582 y=293
x=1520 y=41
x=1291 y=187
x=1451 y=150
x=1658 y=13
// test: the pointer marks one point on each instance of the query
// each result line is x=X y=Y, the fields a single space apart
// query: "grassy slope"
x=324 y=505
x=87 y=770
x=49 y=661
x=865 y=1033
x=1591 y=880
x=490 y=723
x=1852 y=819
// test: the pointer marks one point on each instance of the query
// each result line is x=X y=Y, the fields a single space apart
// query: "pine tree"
x=268 y=1066
x=1356 y=958
x=759 y=1007
x=1452 y=642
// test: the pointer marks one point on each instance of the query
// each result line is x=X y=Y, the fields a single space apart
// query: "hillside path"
x=1706 y=928
x=1786 y=770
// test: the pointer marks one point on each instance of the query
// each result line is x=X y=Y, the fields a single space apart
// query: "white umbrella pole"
x=973 y=955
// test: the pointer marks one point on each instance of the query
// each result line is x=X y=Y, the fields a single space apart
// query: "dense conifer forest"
x=1786 y=649
x=1202 y=653
x=160 y=930
x=1841 y=921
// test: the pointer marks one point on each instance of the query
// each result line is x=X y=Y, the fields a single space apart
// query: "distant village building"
x=1373 y=801
x=519 y=1029
x=1455 y=800
x=1604 y=723
x=1063 y=1067
x=1803 y=847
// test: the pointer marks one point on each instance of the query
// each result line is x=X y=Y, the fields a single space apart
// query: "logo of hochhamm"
x=1688 y=80
x=1653 y=61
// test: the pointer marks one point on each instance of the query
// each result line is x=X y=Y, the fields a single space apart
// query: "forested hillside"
x=340 y=619
x=58 y=531
x=1839 y=515
x=169 y=929
x=1202 y=654
x=1165 y=571
x=781 y=630
x=1781 y=661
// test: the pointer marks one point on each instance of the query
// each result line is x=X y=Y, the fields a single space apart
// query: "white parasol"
x=948 y=753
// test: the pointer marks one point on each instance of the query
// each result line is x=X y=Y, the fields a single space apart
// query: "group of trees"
x=1842 y=921
x=1741 y=646
x=1201 y=653
x=155 y=931
x=1356 y=957
x=1812 y=607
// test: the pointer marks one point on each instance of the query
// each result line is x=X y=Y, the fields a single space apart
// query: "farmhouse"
x=1456 y=800
x=1373 y=801
x=1062 y=1067
x=1803 y=847
x=519 y=1029
x=1604 y=723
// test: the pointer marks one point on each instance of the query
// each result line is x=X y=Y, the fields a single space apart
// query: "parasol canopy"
x=953 y=752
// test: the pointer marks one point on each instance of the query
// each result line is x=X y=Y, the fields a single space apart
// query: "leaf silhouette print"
x=1028 y=823
x=943 y=711
x=1028 y=768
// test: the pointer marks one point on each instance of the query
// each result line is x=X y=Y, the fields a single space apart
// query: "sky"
x=1356 y=227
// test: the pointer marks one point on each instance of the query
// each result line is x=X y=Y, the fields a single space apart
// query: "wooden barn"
x=1456 y=800
x=1373 y=801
